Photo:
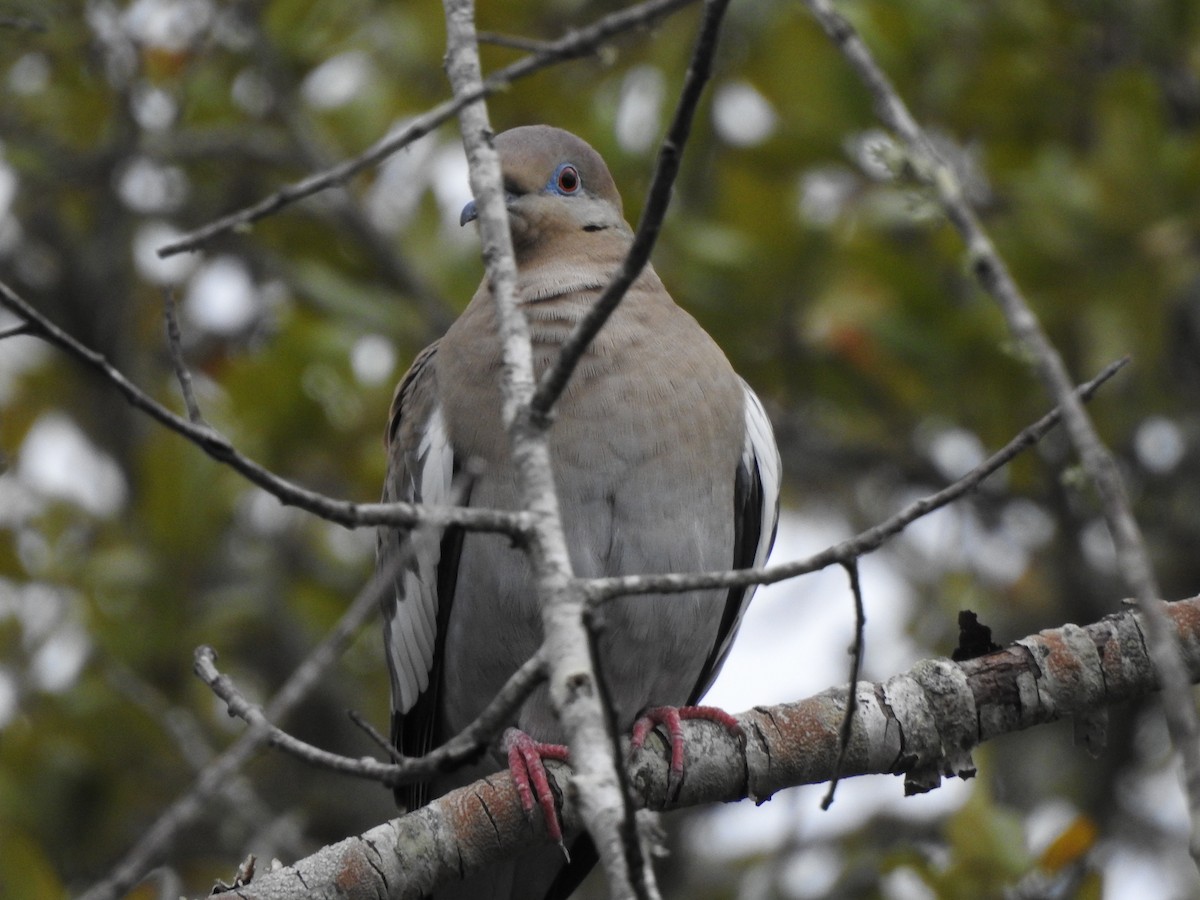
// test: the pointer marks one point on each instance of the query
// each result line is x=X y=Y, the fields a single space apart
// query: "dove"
x=664 y=461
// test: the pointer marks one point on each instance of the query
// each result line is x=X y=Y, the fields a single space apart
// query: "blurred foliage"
x=835 y=287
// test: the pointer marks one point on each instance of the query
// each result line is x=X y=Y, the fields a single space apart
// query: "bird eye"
x=567 y=179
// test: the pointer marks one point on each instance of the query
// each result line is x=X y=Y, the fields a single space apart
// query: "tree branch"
x=182 y=374
x=846 y=732
x=17 y=330
x=217 y=446
x=922 y=724
x=573 y=45
x=464 y=747
x=1098 y=462
x=512 y=41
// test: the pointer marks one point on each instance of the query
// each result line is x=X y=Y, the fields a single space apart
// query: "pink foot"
x=525 y=757
x=672 y=717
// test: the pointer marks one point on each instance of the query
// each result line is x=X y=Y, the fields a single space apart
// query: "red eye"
x=568 y=179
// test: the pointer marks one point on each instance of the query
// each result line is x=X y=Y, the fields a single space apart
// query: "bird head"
x=555 y=186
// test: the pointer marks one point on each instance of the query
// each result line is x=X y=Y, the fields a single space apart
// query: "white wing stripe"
x=762 y=453
x=417 y=629
x=413 y=627
x=412 y=679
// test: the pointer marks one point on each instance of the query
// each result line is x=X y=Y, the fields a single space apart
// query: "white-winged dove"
x=663 y=459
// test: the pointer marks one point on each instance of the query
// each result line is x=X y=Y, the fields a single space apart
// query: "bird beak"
x=471 y=212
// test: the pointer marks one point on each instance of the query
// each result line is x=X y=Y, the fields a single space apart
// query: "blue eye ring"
x=566 y=180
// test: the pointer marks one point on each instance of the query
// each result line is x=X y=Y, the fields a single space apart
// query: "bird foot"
x=672 y=718
x=525 y=757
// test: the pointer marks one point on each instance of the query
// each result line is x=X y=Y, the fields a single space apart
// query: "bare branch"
x=921 y=723
x=856 y=658
x=573 y=45
x=555 y=379
x=1098 y=462
x=237 y=705
x=512 y=41
x=17 y=330
x=375 y=735
x=182 y=373
x=462 y=748
x=228 y=145
x=343 y=512
x=600 y=590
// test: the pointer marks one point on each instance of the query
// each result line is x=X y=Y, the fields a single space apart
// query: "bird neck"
x=551 y=269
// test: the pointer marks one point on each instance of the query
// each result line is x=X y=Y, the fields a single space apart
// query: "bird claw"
x=525 y=756
x=672 y=717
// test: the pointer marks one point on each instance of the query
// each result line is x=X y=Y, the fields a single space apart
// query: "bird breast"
x=645 y=444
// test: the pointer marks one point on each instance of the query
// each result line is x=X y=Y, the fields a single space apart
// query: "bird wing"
x=756 y=515
x=422 y=466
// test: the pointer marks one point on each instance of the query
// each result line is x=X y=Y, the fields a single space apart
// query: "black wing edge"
x=748 y=501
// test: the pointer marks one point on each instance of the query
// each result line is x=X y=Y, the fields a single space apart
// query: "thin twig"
x=215 y=777
x=464 y=747
x=574 y=44
x=601 y=590
x=17 y=330
x=374 y=734
x=343 y=512
x=513 y=41
x=237 y=705
x=993 y=274
x=182 y=373
x=856 y=658
x=554 y=381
